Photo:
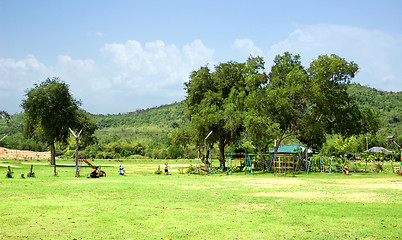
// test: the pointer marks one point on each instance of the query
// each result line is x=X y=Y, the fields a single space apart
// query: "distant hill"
x=388 y=105
x=164 y=117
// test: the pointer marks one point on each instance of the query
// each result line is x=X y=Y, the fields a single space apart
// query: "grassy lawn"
x=143 y=205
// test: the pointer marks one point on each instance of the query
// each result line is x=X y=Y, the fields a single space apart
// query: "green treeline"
x=148 y=133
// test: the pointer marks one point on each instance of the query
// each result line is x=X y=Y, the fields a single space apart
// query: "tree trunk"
x=76 y=152
x=52 y=154
x=222 y=159
x=205 y=157
x=262 y=157
x=277 y=144
x=307 y=153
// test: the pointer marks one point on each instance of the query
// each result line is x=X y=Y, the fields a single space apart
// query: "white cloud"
x=246 y=47
x=15 y=77
x=197 y=53
x=377 y=53
x=156 y=66
x=132 y=76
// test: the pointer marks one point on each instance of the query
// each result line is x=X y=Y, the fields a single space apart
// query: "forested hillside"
x=388 y=105
x=148 y=132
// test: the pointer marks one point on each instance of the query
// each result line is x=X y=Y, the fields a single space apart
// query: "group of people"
x=122 y=171
x=94 y=173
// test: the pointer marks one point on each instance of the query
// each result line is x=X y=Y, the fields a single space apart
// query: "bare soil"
x=22 y=154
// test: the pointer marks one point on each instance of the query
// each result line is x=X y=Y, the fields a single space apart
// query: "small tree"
x=49 y=111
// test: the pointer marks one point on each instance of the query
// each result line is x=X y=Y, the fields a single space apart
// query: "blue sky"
x=120 y=56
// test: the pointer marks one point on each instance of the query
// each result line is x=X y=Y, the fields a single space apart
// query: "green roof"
x=290 y=149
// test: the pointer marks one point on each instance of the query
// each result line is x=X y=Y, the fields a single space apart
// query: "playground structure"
x=279 y=164
x=209 y=169
x=324 y=164
x=82 y=159
x=284 y=164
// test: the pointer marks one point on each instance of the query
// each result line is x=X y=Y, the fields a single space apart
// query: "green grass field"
x=143 y=205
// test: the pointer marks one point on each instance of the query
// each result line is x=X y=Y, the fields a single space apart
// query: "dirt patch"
x=22 y=154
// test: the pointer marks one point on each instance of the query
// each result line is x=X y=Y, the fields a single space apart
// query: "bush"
x=237 y=168
x=31 y=174
x=191 y=155
x=376 y=167
x=190 y=169
x=356 y=167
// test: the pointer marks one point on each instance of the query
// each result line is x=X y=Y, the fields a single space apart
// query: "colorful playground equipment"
x=284 y=164
x=324 y=163
x=82 y=159
x=279 y=164
x=208 y=169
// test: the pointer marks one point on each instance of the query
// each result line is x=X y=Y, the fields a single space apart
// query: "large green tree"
x=286 y=94
x=216 y=101
x=207 y=99
x=50 y=111
x=331 y=110
x=313 y=103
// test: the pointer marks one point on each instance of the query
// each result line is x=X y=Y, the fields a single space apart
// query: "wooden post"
x=76 y=146
x=30 y=172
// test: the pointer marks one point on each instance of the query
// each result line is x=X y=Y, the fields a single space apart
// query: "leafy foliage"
x=49 y=111
x=216 y=101
x=4 y=114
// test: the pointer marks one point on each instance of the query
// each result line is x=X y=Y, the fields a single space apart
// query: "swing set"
x=323 y=163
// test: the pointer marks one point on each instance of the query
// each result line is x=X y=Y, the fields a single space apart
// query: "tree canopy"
x=216 y=100
x=290 y=100
x=50 y=110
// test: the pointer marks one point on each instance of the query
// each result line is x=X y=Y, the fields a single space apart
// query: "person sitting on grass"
x=94 y=173
x=122 y=171
x=346 y=169
x=166 y=169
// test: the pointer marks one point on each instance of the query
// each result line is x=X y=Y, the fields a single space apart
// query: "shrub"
x=237 y=169
x=190 y=169
x=376 y=167
x=356 y=167
x=31 y=174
